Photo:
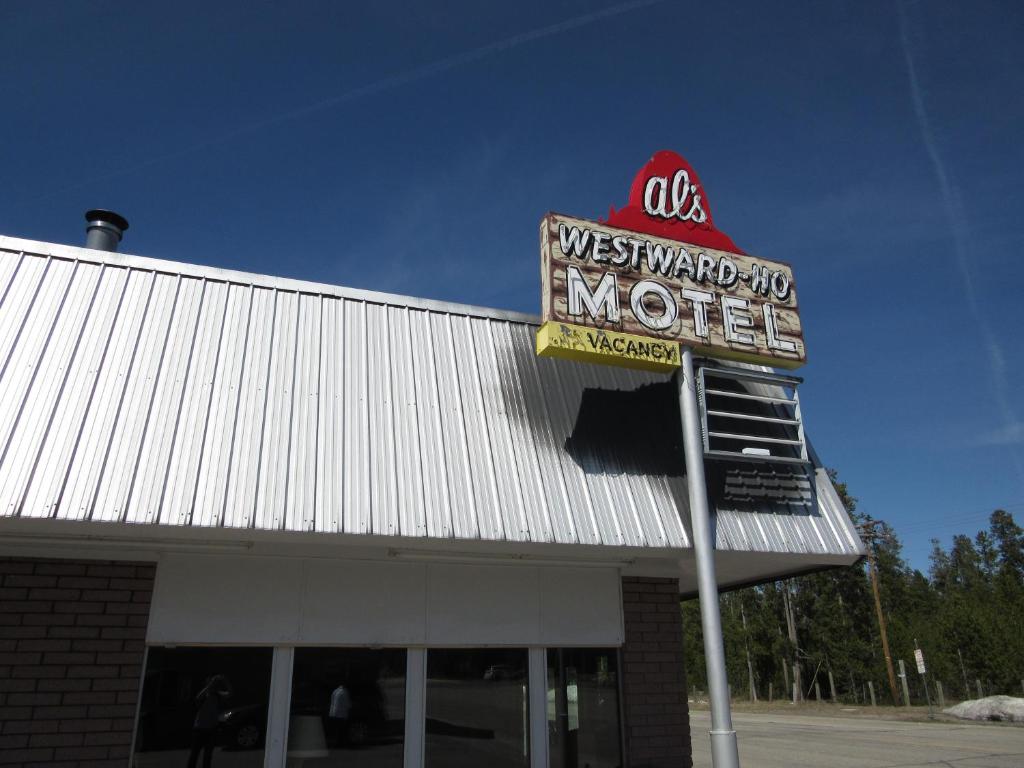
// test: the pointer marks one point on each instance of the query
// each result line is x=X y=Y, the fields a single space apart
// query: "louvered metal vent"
x=778 y=488
x=751 y=416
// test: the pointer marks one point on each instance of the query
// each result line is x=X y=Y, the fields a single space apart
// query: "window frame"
x=279 y=705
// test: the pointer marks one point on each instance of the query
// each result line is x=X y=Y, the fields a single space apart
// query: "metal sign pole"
x=724 y=752
x=922 y=671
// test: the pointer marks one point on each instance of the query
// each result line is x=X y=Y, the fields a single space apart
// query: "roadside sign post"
x=724 y=750
x=903 y=681
x=919 y=658
x=647 y=288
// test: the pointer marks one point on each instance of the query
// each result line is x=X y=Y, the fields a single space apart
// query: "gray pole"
x=871 y=690
x=963 y=671
x=903 y=679
x=724 y=752
x=927 y=696
x=924 y=682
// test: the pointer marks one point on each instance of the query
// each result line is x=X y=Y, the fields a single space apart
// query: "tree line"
x=819 y=633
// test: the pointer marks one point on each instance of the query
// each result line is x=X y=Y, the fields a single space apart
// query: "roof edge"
x=72 y=252
x=757 y=581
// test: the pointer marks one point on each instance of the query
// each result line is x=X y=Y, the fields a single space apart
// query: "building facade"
x=259 y=521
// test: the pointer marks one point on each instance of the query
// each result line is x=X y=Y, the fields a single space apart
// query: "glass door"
x=476 y=708
x=583 y=708
x=347 y=708
x=203 y=707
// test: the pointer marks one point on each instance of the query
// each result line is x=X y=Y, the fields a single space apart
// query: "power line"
x=955 y=519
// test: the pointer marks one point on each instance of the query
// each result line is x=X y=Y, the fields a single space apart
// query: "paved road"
x=794 y=741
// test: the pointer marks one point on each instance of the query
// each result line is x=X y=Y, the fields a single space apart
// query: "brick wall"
x=72 y=637
x=654 y=676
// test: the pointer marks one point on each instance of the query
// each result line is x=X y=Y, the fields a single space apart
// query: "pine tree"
x=969 y=606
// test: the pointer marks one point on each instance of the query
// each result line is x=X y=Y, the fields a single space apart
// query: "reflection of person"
x=204 y=727
x=339 y=711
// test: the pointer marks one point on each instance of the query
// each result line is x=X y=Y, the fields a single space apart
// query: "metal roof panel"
x=155 y=393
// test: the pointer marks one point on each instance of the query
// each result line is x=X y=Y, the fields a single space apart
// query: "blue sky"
x=414 y=147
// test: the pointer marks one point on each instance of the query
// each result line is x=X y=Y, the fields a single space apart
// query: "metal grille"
x=751 y=416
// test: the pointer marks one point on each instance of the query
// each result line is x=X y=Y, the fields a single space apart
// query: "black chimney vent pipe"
x=105 y=229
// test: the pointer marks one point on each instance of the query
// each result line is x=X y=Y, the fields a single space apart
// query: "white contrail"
x=392 y=81
x=956 y=215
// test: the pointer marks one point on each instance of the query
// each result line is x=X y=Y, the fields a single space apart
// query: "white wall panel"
x=226 y=599
x=363 y=603
x=21 y=368
x=247 y=430
x=160 y=430
x=300 y=514
x=207 y=505
x=64 y=434
x=178 y=489
x=34 y=418
x=18 y=298
x=490 y=605
x=578 y=606
x=384 y=515
x=132 y=412
x=250 y=599
x=330 y=444
x=89 y=459
x=412 y=519
x=275 y=443
x=356 y=435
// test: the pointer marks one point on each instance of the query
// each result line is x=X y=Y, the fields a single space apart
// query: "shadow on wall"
x=638 y=432
x=631 y=432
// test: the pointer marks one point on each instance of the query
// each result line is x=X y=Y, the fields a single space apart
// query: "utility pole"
x=867 y=530
x=787 y=605
x=963 y=671
x=746 y=647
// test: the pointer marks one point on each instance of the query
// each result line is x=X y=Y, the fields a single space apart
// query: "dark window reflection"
x=203 y=707
x=583 y=708
x=477 y=708
x=348 y=708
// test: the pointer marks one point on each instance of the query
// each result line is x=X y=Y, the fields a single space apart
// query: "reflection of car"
x=501 y=672
x=242 y=726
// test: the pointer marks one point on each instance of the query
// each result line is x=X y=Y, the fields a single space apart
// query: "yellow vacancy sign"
x=594 y=345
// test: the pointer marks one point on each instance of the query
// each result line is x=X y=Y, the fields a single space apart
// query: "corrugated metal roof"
x=141 y=391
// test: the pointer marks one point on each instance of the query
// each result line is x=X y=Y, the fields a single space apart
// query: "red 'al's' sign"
x=658 y=269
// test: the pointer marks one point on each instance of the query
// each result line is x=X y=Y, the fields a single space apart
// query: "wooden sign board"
x=719 y=303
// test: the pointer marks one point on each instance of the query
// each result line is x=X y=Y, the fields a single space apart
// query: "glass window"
x=477 y=708
x=583 y=708
x=203 y=707
x=348 y=708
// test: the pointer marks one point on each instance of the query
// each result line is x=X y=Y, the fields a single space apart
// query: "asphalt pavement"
x=777 y=740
